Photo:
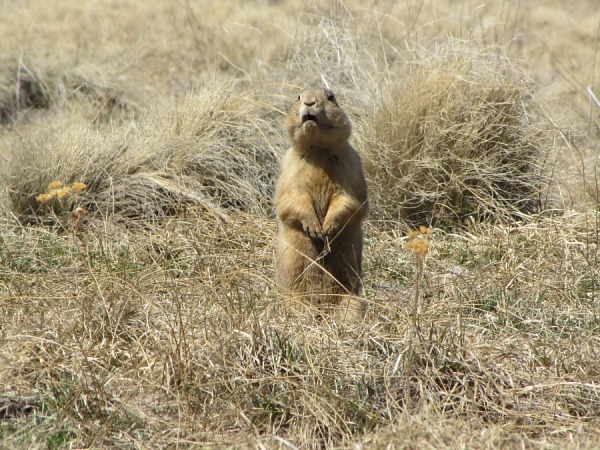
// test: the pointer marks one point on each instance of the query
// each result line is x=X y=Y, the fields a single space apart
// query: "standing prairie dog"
x=321 y=199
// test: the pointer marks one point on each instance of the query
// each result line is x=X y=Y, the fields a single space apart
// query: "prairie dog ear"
x=330 y=96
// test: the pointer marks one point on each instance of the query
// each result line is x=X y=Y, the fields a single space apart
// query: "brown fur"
x=321 y=199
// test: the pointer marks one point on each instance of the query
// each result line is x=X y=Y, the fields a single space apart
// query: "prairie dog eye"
x=331 y=98
x=298 y=99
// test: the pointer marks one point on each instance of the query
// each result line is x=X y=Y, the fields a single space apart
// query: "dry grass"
x=456 y=136
x=152 y=338
x=152 y=321
x=211 y=148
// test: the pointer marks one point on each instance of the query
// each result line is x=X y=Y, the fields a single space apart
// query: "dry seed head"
x=78 y=213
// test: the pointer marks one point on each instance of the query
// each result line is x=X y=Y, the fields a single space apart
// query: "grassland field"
x=139 y=148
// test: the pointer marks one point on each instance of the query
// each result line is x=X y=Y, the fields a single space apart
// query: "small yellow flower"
x=63 y=192
x=418 y=240
x=55 y=185
x=422 y=246
x=43 y=198
x=78 y=186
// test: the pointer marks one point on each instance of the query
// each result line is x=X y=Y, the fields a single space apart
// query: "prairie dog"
x=321 y=200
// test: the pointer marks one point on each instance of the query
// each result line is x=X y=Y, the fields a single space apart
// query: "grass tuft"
x=211 y=151
x=456 y=135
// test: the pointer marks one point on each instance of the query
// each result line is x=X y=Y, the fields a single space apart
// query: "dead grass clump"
x=214 y=149
x=21 y=88
x=85 y=89
x=101 y=98
x=455 y=136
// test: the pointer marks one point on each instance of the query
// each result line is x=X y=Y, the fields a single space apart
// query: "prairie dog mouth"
x=308 y=118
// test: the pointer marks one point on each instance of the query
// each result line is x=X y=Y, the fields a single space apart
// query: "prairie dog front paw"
x=312 y=227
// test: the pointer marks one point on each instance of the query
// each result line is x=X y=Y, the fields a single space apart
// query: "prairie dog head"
x=316 y=120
